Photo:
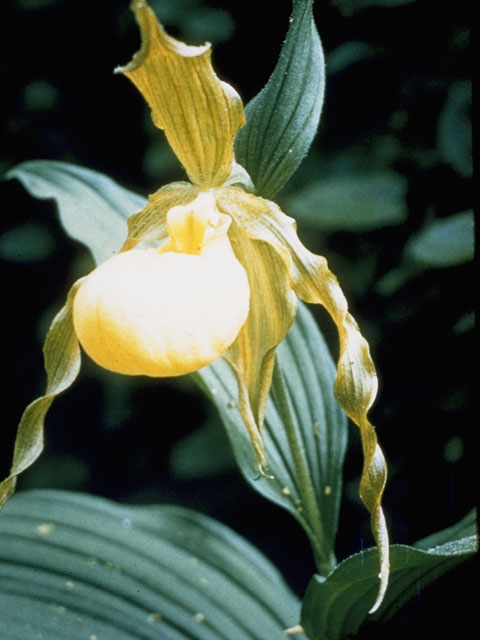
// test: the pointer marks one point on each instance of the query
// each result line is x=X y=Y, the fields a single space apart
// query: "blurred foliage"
x=205 y=452
x=455 y=128
x=446 y=242
x=351 y=202
x=395 y=125
x=349 y=7
x=443 y=243
x=28 y=242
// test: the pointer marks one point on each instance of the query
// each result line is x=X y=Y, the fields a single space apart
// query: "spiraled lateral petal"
x=356 y=381
x=272 y=311
x=62 y=364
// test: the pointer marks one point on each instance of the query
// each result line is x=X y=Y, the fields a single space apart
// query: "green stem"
x=324 y=556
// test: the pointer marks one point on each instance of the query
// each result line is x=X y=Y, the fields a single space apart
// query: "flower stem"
x=324 y=556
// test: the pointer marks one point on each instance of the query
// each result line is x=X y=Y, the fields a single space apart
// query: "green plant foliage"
x=40 y=95
x=352 y=202
x=347 y=54
x=204 y=453
x=196 y=22
x=349 y=7
x=399 y=102
x=445 y=242
x=337 y=606
x=440 y=244
x=282 y=119
x=28 y=242
x=455 y=128
x=92 y=207
x=320 y=427
x=77 y=567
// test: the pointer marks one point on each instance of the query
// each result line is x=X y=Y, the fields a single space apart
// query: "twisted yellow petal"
x=356 y=382
x=62 y=364
x=199 y=114
x=272 y=311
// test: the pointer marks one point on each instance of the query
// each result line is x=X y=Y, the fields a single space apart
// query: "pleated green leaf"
x=84 y=568
x=93 y=209
x=336 y=607
x=318 y=422
x=282 y=119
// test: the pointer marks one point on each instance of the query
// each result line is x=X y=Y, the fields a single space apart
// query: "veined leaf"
x=282 y=119
x=309 y=373
x=78 y=567
x=336 y=607
x=93 y=209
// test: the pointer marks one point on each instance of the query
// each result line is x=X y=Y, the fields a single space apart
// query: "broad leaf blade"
x=282 y=119
x=93 y=209
x=309 y=372
x=337 y=606
x=81 y=567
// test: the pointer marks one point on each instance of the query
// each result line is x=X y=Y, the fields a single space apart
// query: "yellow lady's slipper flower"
x=174 y=308
x=209 y=269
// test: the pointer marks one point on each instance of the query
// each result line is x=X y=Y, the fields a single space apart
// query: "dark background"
x=114 y=436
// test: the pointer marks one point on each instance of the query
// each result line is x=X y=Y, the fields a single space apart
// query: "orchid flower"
x=209 y=269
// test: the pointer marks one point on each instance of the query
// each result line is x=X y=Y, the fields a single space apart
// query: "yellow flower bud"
x=164 y=312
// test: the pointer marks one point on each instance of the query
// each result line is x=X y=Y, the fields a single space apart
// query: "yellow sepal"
x=199 y=114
